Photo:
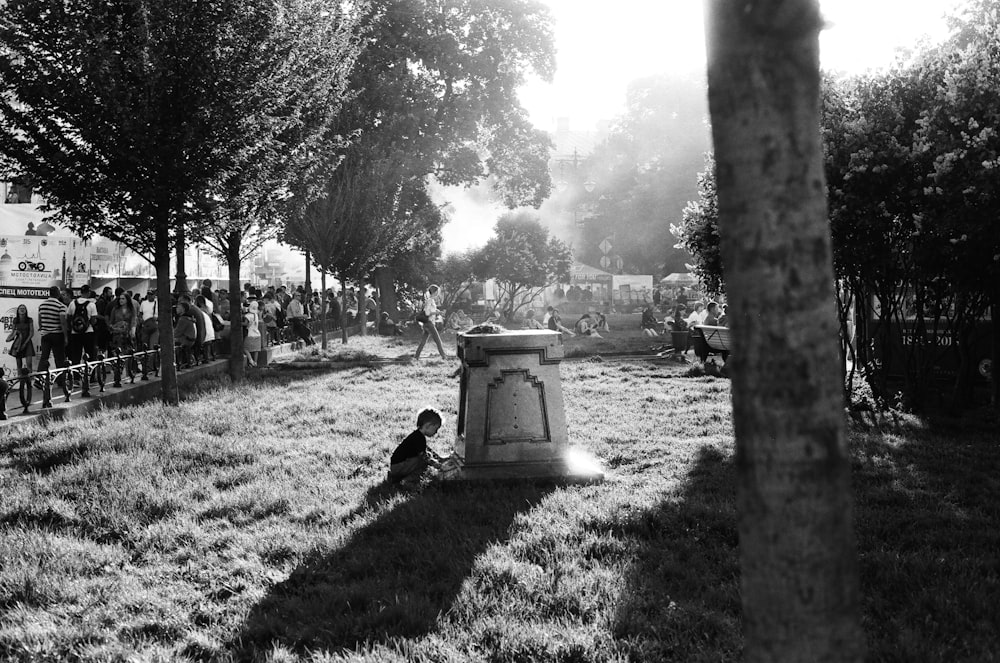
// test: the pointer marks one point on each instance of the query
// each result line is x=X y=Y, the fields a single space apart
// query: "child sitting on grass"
x=412 y=456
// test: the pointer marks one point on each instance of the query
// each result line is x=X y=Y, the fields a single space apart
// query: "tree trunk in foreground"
x=237 y=363
x=181 y=284
x=168 y=370
x=386 y=279
x=995 y=344
x=797 y=551
x=343 y=309
x=362 y=305
x=322 y=308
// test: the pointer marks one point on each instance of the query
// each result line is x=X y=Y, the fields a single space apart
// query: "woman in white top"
x=426 y=317
x=697 y=316
x=251 y=343
x=208 y=345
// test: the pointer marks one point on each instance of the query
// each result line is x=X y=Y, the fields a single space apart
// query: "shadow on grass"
x=394 y=577
x=928 y=523
x=682 y=599
x=927 y=516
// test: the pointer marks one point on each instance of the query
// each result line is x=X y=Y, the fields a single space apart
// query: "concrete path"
x=127 y=394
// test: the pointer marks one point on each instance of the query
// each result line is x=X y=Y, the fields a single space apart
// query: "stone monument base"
x=574 y=466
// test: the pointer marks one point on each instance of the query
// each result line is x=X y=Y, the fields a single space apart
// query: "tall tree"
x=523 y=260
x=372 y=209
x=798 y=562
x=641 y=174
x=112 y=110
x=436 y=92
x=127 y=116
x=293 y=93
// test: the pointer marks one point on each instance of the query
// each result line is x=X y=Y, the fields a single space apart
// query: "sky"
x=602 y=46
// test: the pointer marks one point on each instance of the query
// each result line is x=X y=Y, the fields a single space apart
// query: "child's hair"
x=428 y=415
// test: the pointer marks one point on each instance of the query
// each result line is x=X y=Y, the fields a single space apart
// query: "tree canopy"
x=641 y=174
x=910 y=160
x=523 y=259
x=138 y=120
x=434 y=96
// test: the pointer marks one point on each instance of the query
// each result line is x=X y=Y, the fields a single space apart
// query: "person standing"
x=82 y=316
x=297 y=317
x=54 y=329
x=211 y=324
x=251 y=343
x=22 y=337
x=426 y=317
x=122 y=317
x=149 y=334
x=270 y=317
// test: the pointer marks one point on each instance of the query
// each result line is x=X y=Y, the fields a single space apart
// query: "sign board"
x=605 y=246
x=605 y=262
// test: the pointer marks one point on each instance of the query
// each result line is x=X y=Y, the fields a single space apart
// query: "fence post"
x=99 y=369
x=85 y=384
x=4 y=388
x=116 y=369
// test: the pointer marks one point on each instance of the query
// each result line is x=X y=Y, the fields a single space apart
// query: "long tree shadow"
x=927 y=518
x=394 y=576
x=681 y=602
x=928 y=523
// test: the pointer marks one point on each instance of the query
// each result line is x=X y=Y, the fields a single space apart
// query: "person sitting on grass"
x=555 y=323
x=585 y=326
x=389 y=327
x=458 y=320
x=412 y=456
x=530 y=322
x=649 y=322
x=601 y=322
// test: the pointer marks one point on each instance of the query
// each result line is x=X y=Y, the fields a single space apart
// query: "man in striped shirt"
x=54 y=329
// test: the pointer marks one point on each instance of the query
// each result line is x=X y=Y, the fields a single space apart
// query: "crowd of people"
x=87 y=324
x=712 y=313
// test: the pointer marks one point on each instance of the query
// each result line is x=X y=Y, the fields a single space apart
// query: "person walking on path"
x=426 y=317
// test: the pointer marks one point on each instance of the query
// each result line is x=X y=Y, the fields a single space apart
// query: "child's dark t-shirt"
x=414 y=445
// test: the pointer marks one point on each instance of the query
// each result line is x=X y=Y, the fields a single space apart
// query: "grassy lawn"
x=252 y=523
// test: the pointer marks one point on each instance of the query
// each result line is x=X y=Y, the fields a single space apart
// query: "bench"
x=708 y=340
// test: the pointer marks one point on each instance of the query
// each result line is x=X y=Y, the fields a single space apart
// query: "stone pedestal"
x=511 y=422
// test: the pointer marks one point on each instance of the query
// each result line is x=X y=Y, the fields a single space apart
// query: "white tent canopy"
x=679 y=279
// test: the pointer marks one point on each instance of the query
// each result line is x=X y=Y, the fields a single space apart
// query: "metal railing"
x=82 y=377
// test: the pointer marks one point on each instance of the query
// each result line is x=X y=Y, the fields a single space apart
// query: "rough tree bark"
x=798 y=560
x=181 y=284
x=322 y=301
x=237 y=363
x=386 y=280
x=161 y=260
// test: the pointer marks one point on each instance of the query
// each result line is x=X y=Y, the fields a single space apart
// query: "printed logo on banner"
x=29 y=262
x=8 y=321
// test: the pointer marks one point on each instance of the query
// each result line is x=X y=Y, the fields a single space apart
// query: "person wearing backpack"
x=82 y=315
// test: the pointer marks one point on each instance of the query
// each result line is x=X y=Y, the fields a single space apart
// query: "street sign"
x=605 y=246
x=605 y=262
x=619 y=263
